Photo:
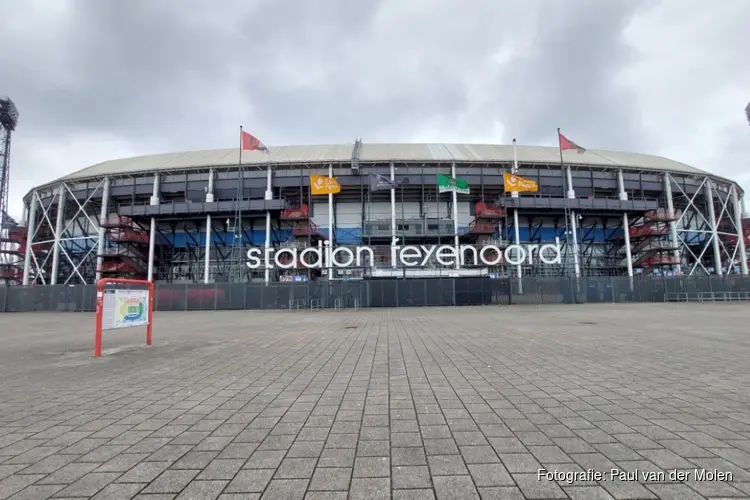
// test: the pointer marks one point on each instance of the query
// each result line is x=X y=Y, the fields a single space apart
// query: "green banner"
x=446 y=184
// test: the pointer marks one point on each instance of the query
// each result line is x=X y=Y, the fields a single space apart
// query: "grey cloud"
x=164 y=78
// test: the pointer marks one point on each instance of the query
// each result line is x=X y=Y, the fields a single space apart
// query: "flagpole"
x=569 y=213
x=238 y=209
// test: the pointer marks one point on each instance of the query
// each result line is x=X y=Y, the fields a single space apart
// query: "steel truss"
x=709 y=231
x=65 y=236
x=73 y=240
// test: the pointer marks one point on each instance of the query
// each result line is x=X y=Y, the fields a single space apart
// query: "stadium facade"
x=612 y=213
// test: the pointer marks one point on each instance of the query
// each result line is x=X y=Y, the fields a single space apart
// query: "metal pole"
x=210 y=190
x=517 y=230
x=102 y=218
x=208 y=249
x=569 y=177
x=58 y=233
x=621 y=186
x=393 y=204
x=155 y=192
x=30 y=228
x=268 y=196
x=628 y=254
x=574 y=230
x=623 y=195
x=331 y=230
x=740 y=230
x=455 y=218
x=151 y=244
x=714 y=231
x=672 y=224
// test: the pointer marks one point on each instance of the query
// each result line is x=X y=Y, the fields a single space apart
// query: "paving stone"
x=372 y=467
x=370 y=489
x=171 y=481
x=285 y=489
x=336 y=458
x=447 y=465
x=331 y=479
x=404 y=402
x=500 y=493
x=532 y=487
x=453 y=487
x=296 y=468
x=89 y=485
x=413 y=494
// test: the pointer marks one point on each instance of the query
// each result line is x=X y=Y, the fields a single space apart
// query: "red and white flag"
x=251 y=143
x=566 y=144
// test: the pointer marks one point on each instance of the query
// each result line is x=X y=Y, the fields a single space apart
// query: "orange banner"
x=519 y=184
x=321 y=184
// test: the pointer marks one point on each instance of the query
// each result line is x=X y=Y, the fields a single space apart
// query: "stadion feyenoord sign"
x=409 y=256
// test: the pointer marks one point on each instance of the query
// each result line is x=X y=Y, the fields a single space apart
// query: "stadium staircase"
x=486 y=222
x=127 y=253
x=305 y=233
x=650 y=243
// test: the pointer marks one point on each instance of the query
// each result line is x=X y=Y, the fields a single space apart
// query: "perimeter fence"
x=391 y=292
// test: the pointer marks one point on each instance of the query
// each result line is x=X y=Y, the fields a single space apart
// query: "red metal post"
x=99 y=314
x=100 y=308
x=150 y=311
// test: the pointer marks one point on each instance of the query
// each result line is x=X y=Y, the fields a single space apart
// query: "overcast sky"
x=101 y=79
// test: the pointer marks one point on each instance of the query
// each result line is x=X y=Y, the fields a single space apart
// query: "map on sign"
x=124 y=308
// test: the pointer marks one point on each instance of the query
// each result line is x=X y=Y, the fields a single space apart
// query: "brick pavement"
x=409 y=404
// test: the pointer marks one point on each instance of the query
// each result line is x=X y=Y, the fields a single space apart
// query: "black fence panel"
x=392 y=292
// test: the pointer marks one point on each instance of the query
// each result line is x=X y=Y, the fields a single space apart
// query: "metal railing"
x=393 y=292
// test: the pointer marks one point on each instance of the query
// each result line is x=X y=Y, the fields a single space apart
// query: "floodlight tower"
x=8 y=122
x=8 y=257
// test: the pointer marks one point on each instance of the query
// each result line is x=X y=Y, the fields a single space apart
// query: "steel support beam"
x=207 y=261
x=455 y=218
x=393 y=203
x=103 y=213
x=151 y=248
x=269 y=196
x=210 y=189
x=155 y=192
x=574 y=230
x=714 y=230
x=672 y=224
x=736 y=208
x=61 y=196
x=30 y=230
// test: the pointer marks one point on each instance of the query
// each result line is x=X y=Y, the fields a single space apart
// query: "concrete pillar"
x=59 y=225
x=103 y=213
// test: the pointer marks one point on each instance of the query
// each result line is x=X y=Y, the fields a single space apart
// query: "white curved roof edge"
x=380 y=152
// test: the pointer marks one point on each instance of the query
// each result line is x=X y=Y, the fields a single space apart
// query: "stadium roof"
x=342 y=153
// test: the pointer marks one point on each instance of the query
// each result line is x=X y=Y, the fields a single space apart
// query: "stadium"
x=148 y=217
